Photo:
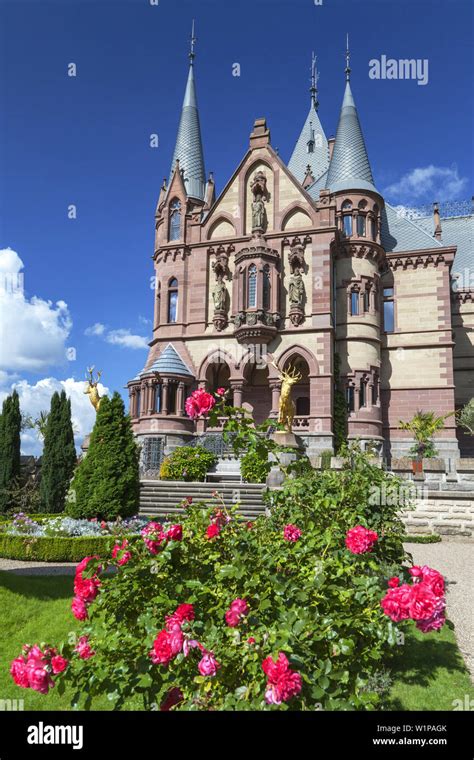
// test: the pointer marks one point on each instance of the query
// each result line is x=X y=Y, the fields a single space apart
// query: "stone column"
x=275 y=387
x=150 y=397
x=133 y=402
x=237 y=390
x=164 y=396
x=180 y=400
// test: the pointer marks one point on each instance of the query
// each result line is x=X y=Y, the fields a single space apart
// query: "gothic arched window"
x=347 y=218
x=266 y=286
x=173 y=300
x=175 y=220
x=252 y=287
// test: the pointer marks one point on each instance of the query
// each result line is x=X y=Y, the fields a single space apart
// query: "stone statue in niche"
x=219 y=293
x=219 y=296
x=296 y=289
x=260 y=194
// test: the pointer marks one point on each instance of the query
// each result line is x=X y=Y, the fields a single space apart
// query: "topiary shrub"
x=10 y=426
x=189 y=463
x=107 y=481
x=254 y=468
x=59 y=455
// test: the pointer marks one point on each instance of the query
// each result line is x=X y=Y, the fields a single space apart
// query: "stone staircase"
x=162 y=498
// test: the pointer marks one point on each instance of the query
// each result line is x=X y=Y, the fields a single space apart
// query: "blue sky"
x=84 y=140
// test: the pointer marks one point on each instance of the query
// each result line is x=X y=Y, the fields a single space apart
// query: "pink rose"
x=213 y=531
x=38 y=677
x=83 y=564
x=175 y=533
x=434 y=580
x=86 y=588
x=436 y=621
x=199 y=403
x=416 y=571
x=221 y=391
x=422 y=602
x=394 y=582
x=119 y=549
x=79 y=608
x=291 y=533
x=360 y=540
x=59 y=663
x=161 y=653
x=237 y=610
x=251 y=640
x=153 y=536
x=283 y=682
x=84 y=649
x=396 y=603
x=208 y=665
x=19 y=672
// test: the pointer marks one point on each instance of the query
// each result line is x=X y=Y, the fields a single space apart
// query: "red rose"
x=394 y=582
x=360 y=540
x=199 y=403
x=213 y=531
x=59 y=664
x=291 y=533
x=422 y=602
x=175 y=533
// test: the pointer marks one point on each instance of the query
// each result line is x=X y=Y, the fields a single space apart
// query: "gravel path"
x=455 y=560
x=37 y=568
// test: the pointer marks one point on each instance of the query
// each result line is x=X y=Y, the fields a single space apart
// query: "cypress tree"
x=10 y=428
x=59 y=455
x=107 y=483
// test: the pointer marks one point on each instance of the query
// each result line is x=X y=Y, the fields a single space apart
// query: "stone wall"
x=447 y=513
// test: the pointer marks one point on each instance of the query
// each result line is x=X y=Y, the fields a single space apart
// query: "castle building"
x=304 y=264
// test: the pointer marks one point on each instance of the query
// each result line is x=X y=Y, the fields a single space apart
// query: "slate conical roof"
x=349 y=168
x=169 y=362
x=189 y=143
x=301 y=157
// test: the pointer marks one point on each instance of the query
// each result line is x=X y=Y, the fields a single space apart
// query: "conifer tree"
x=10 y=428
x=106 y=484
x=59 y=455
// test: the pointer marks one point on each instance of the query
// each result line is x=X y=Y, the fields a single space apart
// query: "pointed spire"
x=349 y=168
x=314 y=83
x=348 y=60
x=311 y=148
x=188 y=149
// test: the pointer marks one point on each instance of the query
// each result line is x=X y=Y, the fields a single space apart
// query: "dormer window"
x=175 y=220
x=311 y=142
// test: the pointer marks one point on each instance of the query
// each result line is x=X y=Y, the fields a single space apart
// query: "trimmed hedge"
x=54 y=549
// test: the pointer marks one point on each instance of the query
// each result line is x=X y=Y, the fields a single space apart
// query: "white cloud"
x=121 y=337
x=126 y=338
x=33 y=332
x=97 y=329
x=37 y=397
x=427 y=184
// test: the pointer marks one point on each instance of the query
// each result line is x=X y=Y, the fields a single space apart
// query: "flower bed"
x=61 y=539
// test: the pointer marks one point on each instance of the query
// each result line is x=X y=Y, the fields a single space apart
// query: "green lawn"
x=429 y=670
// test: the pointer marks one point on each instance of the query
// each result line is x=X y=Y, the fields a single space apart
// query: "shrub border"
x=54 y=549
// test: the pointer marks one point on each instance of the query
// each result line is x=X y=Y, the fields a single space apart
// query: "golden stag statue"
x=91 y=388
x=286 y=405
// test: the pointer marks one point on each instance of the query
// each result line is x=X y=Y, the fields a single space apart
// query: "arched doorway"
x=257 y=397
x=301 y=390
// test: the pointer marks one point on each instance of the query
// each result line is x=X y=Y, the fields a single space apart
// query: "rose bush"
x=298 y=610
